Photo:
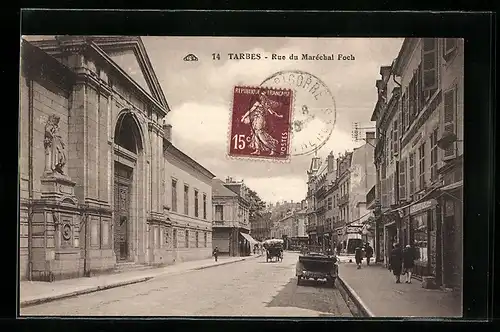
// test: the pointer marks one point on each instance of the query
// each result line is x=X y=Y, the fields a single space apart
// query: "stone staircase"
x=131 y=267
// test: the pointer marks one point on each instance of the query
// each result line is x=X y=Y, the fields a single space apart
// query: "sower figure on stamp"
x=256 y=117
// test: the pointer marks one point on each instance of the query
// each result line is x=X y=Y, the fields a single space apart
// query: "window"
x=174 y=238
x=219 y=213
x=421 y=158
x=420 y=236
x=186 y=239
x=402 y=179
x=412 y=173
x=204 y=206
x=197 y=239
x=419 y=90
x=434 y=155
x=174 y=195
x=165 y=236
x=405 y=116
x=330 y=203
x=412 y=101
x=186 y=199
x=205 y=239
x=395 y=140
x=449 y=47
x=450 y=108
x=430 y=68
x=196 y=203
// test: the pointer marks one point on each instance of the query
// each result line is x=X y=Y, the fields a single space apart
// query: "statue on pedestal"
x=54 y=146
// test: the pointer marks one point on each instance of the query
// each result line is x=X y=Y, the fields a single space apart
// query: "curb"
x=29 y=303
x=350 y=295
x=224 y=263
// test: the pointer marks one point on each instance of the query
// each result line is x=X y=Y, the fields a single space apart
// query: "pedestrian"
x=339 y=248
x=369 y=253
x=408 y=262
x=216 y=253
x=396 y=262
x=358 y=255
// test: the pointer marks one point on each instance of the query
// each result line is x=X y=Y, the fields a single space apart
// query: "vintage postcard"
x=241 y=176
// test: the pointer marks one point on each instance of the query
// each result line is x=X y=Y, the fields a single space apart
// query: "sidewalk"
x=37 y=292
x=375 y=286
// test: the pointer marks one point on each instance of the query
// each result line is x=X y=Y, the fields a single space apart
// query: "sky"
x=199 y=95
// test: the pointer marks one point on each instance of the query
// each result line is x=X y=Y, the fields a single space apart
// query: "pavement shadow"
x=311 y=295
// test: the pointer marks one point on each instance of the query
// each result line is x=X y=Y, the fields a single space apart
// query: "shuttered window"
x=449 y=119
x=449 y=47
x=395 y=137
x=412 y=173
x=430 y=67
x=419 y=89
x=434 y=155
x=402 y=179
x=404 y=118
x=421 y=168
x=412 y=101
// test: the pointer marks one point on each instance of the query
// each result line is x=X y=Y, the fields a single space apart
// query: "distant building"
x=260 y=227
x=231 y=214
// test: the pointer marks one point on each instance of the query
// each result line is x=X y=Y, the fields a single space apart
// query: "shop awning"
x=452 y=186
x=249 y=238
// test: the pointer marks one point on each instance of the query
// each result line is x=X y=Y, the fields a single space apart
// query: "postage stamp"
x=314 y=116
x=261 y=123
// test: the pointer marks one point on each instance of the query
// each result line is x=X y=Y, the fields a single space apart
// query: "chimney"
x=385 y=71
x=167 y=132
x=330 y=161
x=370 y=137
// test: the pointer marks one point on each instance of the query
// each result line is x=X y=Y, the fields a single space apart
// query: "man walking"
x=396 y=262
x=215 y=253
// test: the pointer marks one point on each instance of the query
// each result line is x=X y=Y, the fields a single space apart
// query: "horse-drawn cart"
x=274 y=250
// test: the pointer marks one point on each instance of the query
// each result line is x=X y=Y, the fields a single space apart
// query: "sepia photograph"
x=196 y=176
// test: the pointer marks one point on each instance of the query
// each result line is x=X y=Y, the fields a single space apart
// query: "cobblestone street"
x=248 y=288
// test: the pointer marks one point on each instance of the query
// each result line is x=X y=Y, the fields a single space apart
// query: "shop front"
x=354 y=238
x=423 y=236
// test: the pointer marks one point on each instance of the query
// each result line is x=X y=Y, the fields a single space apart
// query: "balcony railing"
x=370 y=197
x=343 y=200
x=320 y=209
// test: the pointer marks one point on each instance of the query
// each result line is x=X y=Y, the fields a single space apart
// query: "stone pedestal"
x=56 y=230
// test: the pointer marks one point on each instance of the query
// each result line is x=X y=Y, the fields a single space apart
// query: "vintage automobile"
x=316 y=264
x=274 y=249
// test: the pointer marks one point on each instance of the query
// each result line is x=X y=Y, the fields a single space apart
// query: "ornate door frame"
x=123 y=179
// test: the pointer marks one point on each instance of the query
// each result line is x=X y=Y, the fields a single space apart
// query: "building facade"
x=419 y=155
x=93 y=162
x=231 y=225
x=260 y=227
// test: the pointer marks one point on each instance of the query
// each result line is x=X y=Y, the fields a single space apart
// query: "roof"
x=170 y=148
x=220 y=190
x=35 y=61
x=105 y=47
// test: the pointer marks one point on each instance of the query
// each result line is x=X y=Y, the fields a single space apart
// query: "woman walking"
x=408 y=262
x=396 y=262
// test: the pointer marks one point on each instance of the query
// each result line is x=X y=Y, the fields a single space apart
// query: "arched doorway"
x=127 y=149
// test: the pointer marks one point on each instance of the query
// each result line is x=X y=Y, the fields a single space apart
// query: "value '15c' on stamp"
x=260 y=123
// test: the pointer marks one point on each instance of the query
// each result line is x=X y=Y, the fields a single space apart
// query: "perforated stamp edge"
x=261 y=158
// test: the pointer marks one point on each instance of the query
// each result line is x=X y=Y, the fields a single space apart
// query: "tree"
x=256 y=204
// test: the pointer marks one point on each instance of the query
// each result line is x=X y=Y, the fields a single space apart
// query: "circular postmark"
x=314 y=114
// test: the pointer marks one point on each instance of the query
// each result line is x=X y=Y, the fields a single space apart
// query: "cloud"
x=279 y=188
x=199 y=94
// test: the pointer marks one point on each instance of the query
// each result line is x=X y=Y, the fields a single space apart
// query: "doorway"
x=122 y=188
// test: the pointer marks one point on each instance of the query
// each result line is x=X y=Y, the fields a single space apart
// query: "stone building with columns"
x=100 y=180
